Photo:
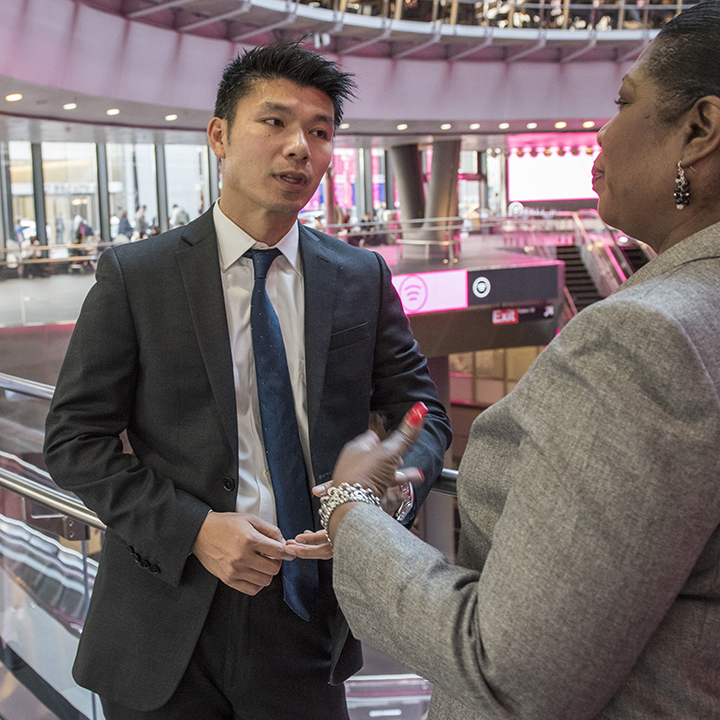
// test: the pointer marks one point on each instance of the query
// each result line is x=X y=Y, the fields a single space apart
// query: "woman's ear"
x=703 y=130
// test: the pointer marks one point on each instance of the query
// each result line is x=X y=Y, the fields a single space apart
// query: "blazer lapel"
x=320 y=273
x=200 y=270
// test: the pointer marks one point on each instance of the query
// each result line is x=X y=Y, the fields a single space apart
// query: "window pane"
x=21 y=189
x=131 y=183
x=187 y=182
x=71 y=194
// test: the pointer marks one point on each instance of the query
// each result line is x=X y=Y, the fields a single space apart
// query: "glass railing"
x=49 y=548
x=554 y=14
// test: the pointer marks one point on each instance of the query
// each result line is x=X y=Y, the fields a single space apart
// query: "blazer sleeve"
x=610 y=446
x=92 y=406
x=400 y=379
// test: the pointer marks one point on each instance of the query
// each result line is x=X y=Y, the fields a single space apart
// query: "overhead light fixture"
x=446 y=126
x=547 y=152
x=561 y=152
x=531 y=126
x=171 y=117
x=575 y=150
x=534 y=152
x=13 y=97
x=475 y=126
x=69 y=106
x=520 y=152
x=344 y=126
x=560 y=125
x=113 y=111
x=504 y=126
x=402 y=126
x=589 y=124
x=589 y=150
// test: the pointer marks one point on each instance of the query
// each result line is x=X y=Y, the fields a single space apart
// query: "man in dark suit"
x=166 y=349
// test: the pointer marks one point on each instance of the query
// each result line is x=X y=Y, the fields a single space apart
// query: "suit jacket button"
x=154 y=569
x=144 y=564
x=228 y=484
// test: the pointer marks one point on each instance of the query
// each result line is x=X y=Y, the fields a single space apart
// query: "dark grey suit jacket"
x=151 y=354
x=588 y=576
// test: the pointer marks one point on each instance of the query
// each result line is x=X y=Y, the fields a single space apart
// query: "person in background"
x=141 y=225
x=240 y=352
x=587 y=582
x=59 y=230
x=178 y=216
x=124 y=226
x=19 y=232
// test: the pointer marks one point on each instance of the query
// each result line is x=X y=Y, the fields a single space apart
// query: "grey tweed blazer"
x=587 y=582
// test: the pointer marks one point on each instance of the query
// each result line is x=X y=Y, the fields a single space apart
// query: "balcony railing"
x=551 y=30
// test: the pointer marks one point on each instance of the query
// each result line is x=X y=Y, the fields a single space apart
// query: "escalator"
x=635 y=255
x=577 y=278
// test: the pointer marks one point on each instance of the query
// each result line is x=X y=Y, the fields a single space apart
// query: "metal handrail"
x=74 y=508
x=26 y=387
x=49 y=497
x=446 y=484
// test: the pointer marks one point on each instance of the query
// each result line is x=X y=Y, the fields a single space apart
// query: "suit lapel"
x=320 y=273
x=200 y=270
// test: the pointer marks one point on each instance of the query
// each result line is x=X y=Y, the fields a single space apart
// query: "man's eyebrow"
x=268 y=106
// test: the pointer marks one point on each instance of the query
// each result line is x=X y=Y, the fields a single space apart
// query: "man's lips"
x=597 y=174
x=293 y=178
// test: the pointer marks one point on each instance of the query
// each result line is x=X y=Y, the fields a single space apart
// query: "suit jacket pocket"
x=349 y=336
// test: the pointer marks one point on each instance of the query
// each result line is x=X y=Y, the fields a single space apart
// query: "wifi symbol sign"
x=413 y=293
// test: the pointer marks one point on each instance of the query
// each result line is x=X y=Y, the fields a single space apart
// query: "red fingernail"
x=417 y=413
x=422 y=475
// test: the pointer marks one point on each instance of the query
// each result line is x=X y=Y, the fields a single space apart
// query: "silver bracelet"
x=339 y=495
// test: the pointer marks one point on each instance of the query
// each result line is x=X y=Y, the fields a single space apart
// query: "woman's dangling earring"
x=682 y=189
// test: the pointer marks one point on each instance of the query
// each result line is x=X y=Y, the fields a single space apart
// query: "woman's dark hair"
x=282 y=61
x=685 y=60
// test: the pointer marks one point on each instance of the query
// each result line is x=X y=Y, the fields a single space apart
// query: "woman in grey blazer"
x=587 y=582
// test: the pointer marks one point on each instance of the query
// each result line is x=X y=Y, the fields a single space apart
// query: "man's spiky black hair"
x=282 y=61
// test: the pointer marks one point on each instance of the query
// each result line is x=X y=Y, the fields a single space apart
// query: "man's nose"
x=297 y=145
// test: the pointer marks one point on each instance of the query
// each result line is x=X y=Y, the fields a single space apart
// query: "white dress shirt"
x=285 y=288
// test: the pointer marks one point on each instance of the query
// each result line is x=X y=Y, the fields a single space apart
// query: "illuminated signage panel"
x=432 y=291
x=553 y=177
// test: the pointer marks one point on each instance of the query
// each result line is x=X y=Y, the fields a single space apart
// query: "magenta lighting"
x=432 y=291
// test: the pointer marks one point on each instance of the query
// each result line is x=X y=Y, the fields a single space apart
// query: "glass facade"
x=180 y=182
x=70 y=183
x=21 y=190
x=187 y=181
x=132 y=182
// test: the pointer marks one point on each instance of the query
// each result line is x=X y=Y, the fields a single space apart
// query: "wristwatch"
x=408 y=502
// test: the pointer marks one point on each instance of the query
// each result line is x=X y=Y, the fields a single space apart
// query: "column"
x=103 y=192
x=39 y=193
x=6 y=208
x=162 y=199
x=331 y=217
x=214 y=175
x=389 y=181
x=442 y=201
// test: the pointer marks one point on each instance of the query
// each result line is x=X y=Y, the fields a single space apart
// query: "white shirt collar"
x=233 y=241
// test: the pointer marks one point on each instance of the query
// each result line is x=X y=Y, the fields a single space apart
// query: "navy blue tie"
x=281 y=437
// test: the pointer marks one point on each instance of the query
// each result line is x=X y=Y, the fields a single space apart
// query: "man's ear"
x=703 y=130
x=217 y=136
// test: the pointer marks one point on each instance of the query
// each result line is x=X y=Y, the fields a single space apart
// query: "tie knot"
x=262 y=260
